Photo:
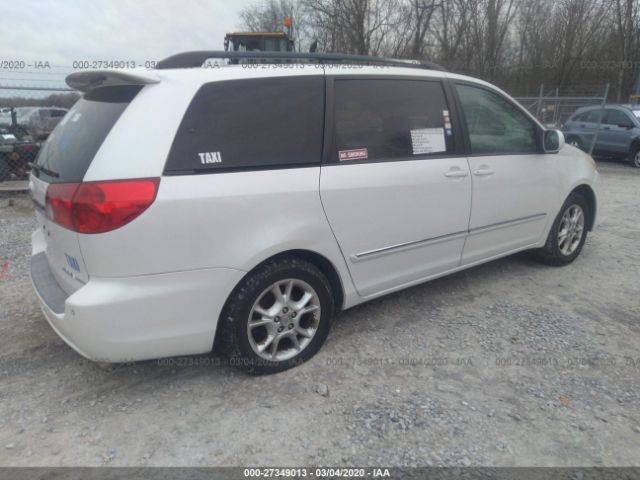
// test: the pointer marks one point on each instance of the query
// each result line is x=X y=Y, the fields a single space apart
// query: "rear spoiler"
x=88 y=80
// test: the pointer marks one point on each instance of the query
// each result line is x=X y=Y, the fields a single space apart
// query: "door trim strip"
x=406 y=246
x=507 y=223
x=378 y=252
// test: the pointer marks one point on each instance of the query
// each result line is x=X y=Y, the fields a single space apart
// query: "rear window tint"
x=390 y=119
x=253 y=123
x=71 y=146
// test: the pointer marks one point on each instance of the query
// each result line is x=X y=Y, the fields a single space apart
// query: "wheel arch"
x=587 y=192
x=569 y=136
x=320 y=261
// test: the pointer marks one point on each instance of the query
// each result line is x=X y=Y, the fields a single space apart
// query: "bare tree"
x=518 y=44
x=453 y=18
x=352 y=26
x=269 y=17
x=626 y=14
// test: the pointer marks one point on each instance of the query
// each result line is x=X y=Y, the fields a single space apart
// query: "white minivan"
x=243 y=206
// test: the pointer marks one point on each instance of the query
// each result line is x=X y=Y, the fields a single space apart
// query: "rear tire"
x=264 y=332
x=568 y=233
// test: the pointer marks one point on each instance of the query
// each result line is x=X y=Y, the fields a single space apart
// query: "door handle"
x=456 y=174
x=483 y=172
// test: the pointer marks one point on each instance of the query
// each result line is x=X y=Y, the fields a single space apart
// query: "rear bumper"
x=137 y=318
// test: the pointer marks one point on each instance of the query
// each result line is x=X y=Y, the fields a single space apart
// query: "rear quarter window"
x=250 y=124
x=70 y=148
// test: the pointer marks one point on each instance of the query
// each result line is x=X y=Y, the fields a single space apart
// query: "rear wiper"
x=46 y=171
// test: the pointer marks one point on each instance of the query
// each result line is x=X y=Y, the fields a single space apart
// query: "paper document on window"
x=428 y=140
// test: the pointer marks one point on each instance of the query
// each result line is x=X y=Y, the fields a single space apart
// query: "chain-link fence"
x=27 y=117
x=18 y=146
x=554 y=106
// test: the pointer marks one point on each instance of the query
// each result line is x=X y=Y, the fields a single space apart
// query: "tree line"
x=574 y=45
x=63 y=100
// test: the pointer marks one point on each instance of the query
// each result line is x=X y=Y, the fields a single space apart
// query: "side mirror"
x=553 y=141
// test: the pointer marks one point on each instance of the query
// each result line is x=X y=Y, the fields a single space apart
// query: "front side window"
x=390 y=119
x=590 y=116
x=252 y=123
x=594 y=116
x=495 y=126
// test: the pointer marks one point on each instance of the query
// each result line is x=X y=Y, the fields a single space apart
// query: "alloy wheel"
x=283 y=320
x=570 y=229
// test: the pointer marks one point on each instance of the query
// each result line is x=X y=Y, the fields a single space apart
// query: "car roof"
x=608 y=105
x=192 y=78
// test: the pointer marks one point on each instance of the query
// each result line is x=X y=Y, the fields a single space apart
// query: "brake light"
x=98 y=207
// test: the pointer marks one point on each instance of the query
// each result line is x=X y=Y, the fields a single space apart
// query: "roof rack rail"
x=197 y=58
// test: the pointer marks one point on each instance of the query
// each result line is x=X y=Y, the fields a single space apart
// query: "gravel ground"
x=507 y=364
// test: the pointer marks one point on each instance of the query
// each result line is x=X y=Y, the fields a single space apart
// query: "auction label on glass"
x=428 y=140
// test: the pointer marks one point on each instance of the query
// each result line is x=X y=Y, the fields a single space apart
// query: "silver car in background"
x=618 y=135
x=39 y=121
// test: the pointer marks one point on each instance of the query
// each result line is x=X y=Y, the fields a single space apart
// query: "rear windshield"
x=74 y=142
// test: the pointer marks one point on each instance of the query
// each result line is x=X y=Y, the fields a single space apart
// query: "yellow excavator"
x=260 y=41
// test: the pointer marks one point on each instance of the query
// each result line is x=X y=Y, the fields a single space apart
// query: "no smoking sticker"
x=356 y=154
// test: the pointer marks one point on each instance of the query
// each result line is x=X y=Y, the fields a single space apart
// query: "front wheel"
x=575 y=141
x=278 y=317
x=568 y=233
x=635 y=157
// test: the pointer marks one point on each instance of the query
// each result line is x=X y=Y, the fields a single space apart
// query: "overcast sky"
x=61 y=31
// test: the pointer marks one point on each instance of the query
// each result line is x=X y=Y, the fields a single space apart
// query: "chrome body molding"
x=508 y=223
x=406 y=246
x=358 y=257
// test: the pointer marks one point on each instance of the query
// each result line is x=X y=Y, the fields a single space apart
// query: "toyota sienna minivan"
x=244 y=206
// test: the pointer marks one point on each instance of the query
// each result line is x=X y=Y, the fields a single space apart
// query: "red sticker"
x=357 y=154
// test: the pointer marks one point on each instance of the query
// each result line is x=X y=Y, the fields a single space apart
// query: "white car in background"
x=248 y=205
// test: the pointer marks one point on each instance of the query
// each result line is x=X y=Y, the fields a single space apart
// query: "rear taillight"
x=98 y=207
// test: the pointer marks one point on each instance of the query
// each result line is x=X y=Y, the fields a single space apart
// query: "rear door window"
x=70 y=148
x=251 y=124
x=389 y=119
x=617 y=117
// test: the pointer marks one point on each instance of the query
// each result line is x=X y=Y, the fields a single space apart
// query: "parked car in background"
x=17 y=149
x=5 y=116
x=40 y=121
x=618 y=135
